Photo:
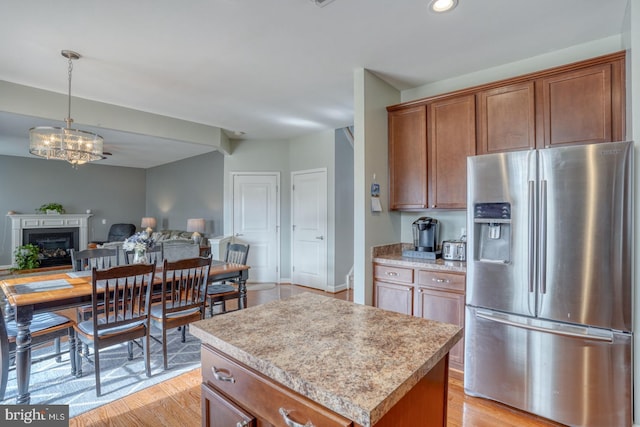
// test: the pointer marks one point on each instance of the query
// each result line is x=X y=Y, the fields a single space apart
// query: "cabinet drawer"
x=393 y=274
x=435 y=279
x=261 y=396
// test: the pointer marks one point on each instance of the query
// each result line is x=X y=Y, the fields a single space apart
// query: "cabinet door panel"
x=217 y=411
x=445 y=307
x=394 y=297
x=576 y=107
x=452 y=137
x=506 y=118
x=408 y=158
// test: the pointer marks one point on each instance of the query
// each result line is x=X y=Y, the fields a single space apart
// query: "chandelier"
x=72 y=145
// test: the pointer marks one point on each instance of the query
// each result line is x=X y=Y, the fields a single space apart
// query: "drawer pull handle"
x=440 y=280
x=391 y=273
x=242 y=423
x=223 y=375
x=289 y=422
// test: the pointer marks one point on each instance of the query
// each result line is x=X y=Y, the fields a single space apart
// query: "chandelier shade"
x=72 y=145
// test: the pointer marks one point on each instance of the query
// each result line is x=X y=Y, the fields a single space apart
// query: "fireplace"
x=54 y=234
x=55 y=244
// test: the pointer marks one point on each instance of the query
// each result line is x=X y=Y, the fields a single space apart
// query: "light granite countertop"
x=392 y=255
x=355 y=360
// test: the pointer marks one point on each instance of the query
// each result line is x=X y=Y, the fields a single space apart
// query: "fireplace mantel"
x=22 y=221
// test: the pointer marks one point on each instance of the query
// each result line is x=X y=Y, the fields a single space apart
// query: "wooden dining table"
x=32 y=294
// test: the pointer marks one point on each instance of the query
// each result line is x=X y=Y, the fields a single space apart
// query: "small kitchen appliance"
x=425 y=239
x=454 y=250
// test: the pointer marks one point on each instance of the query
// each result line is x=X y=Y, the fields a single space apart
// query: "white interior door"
x=309 y=228
x=256 y=222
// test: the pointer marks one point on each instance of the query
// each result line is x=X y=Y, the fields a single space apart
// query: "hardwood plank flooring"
x=177 y=402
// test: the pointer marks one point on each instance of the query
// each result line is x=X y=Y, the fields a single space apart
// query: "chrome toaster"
x=455 y=250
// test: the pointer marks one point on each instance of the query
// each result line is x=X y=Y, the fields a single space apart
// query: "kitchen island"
x=328 y=362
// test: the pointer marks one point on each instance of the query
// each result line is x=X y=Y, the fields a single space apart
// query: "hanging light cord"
x=69 y=120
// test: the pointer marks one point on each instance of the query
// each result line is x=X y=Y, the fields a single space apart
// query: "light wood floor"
x=177 y=402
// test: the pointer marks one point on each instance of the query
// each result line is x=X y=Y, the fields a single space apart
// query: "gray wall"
x=190 y=188
x=343 y=207
x=115 y=194
x=318 y=150
x=263 y=156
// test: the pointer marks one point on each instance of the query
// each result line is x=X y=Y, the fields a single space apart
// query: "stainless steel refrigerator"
x=548 y=325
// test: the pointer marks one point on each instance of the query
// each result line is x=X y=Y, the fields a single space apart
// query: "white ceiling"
x=272 y=69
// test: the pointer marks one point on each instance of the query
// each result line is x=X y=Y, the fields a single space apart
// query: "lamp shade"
x=195 y=225
x=148 y=222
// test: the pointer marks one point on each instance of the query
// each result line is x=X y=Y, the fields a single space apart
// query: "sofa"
x=176 y=244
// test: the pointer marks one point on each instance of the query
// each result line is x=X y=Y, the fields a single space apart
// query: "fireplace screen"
x=55 y=244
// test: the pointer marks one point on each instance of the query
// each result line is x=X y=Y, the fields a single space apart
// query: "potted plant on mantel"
x=51 y=208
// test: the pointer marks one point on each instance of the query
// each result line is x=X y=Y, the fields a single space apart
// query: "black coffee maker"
x=425 y=234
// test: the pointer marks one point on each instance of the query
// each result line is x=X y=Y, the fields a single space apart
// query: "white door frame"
x=230 y=203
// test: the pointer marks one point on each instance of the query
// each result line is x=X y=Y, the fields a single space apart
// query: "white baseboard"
x=337 y=288
x=330 y=288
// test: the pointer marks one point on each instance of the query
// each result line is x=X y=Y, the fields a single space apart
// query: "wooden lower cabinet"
x=238 y=394
x=441 y=297
x=234 y=395
x=428 y=294
x=393 y=288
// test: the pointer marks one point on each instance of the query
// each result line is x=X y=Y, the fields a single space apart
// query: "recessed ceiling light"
x=440 y=6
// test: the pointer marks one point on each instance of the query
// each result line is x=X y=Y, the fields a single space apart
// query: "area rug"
x=52 y=382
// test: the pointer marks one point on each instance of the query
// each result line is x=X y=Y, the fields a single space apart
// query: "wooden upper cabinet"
x=506 y=118
x=430 y=139
x=581 y=106
x=452 y=137
x=408 y=158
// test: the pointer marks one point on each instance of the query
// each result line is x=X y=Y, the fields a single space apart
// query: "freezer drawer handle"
x=539 y=329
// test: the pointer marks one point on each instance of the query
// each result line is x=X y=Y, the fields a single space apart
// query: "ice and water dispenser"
x=492 y=232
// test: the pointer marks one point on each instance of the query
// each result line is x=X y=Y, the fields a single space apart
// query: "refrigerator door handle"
x=532 y=235
x=507 y=322
x=543 y=237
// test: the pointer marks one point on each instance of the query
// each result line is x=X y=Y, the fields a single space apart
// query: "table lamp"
x=196 y=225
x=148 y=223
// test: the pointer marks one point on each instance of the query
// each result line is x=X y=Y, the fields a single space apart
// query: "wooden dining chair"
x=220 y=293
x=184 y=287
x=46 y=329
x=85 y=260
x=100 y=258
x=121 y=296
